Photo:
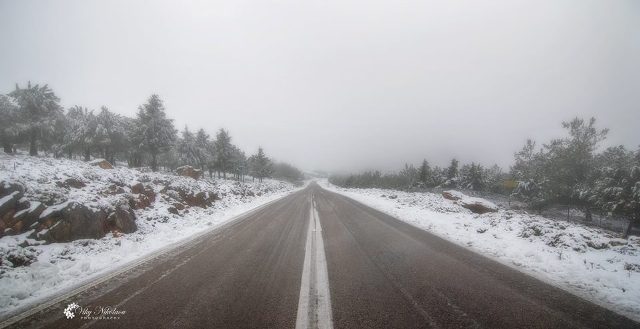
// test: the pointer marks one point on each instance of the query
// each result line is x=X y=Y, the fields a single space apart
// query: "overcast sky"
x=342 y=85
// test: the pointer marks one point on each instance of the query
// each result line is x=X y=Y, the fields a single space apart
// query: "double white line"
x=314 y=305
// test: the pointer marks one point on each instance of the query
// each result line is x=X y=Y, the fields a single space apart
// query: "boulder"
x=9 y=204
x=7 y=188
x=24 y=219
x=71 y=182
x=102 y=163
x=123 y=219
x=200 y=199
x=143 y=197
x=178 y=206
x=452 y=195
x=189 y=171
x=173 y=210
x=113 y=189
x=70 y=221
x=478 y=206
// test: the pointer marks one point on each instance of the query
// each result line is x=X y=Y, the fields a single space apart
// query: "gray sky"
x=342 y=85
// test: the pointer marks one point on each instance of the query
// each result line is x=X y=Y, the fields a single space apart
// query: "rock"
x=9 y=203
x=477 y=205
x=71 y=221
x=123 y=219
x=113 y=189
x=452 y=195
x=7 y=188
x=173 y=210
x=189 y=172
x=145 y=196
x=199 y=199
x=71 y=182
x=102 y=163
x=137 y=188
x=178 y=206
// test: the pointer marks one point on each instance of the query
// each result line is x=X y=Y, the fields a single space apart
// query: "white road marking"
x=314 y=305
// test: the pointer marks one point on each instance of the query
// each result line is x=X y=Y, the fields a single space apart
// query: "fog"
x=342 y=85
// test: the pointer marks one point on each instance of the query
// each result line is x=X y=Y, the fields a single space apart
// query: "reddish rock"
x=102 y=163
x=189 y=171
x=451 y=195
x=178 y=206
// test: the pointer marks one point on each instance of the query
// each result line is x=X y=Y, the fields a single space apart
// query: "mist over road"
x=382 y=273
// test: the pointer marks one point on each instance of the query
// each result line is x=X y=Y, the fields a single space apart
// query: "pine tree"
x=202 y=148
x=80 y=130
x=155 y=132
x=38 y=111
x=425 y=175
x=110 y=134
x=8 y=123
x=261 y=166
x=223 y=151
x=187 y=151
x=452 y=174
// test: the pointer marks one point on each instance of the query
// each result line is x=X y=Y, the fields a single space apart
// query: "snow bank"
x=588 y=262
x=31 y=271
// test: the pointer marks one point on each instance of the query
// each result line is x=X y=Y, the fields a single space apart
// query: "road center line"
x=314 y=304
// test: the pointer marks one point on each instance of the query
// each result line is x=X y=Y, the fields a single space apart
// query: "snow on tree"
x=451 y=179
x=110 y=134
x=154 y=133
x=223 y=150
x=80 y=130
x=261 y=166
x=187 y=152
x=202 y=148
x=39 y=109
x=8 y=124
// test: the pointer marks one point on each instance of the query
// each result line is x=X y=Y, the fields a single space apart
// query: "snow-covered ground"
x=57 y=267
x=588 y=262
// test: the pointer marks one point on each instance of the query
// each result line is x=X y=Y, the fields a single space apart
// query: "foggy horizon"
x=343 y=87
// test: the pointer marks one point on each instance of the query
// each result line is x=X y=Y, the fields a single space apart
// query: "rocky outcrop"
x=71 y=182
x=476 y=205
x=102 y=163
x=189 y=171
x=10 y=203
x=142 y=197
x=70 y=221
x=452 y=195
x=123 y=219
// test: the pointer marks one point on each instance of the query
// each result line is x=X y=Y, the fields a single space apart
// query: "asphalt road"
x=382 y=273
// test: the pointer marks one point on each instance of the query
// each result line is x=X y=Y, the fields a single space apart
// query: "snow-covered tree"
x=472 y=177
x=425 y=175
x=110 y=134
x=223 y=150
x=187 y=151
x=39 y=109
x=80 y=132
x=202 y=148
x=8 y=123
x=261 y=166
x=154 y=133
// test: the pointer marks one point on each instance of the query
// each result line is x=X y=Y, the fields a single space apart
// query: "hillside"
x=64 y=222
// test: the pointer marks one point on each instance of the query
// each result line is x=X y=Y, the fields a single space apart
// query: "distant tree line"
x=33 y=118
x=567 y=171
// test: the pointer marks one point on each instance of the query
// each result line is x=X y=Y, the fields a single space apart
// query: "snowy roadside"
x=588 y=262
x=58 y=267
